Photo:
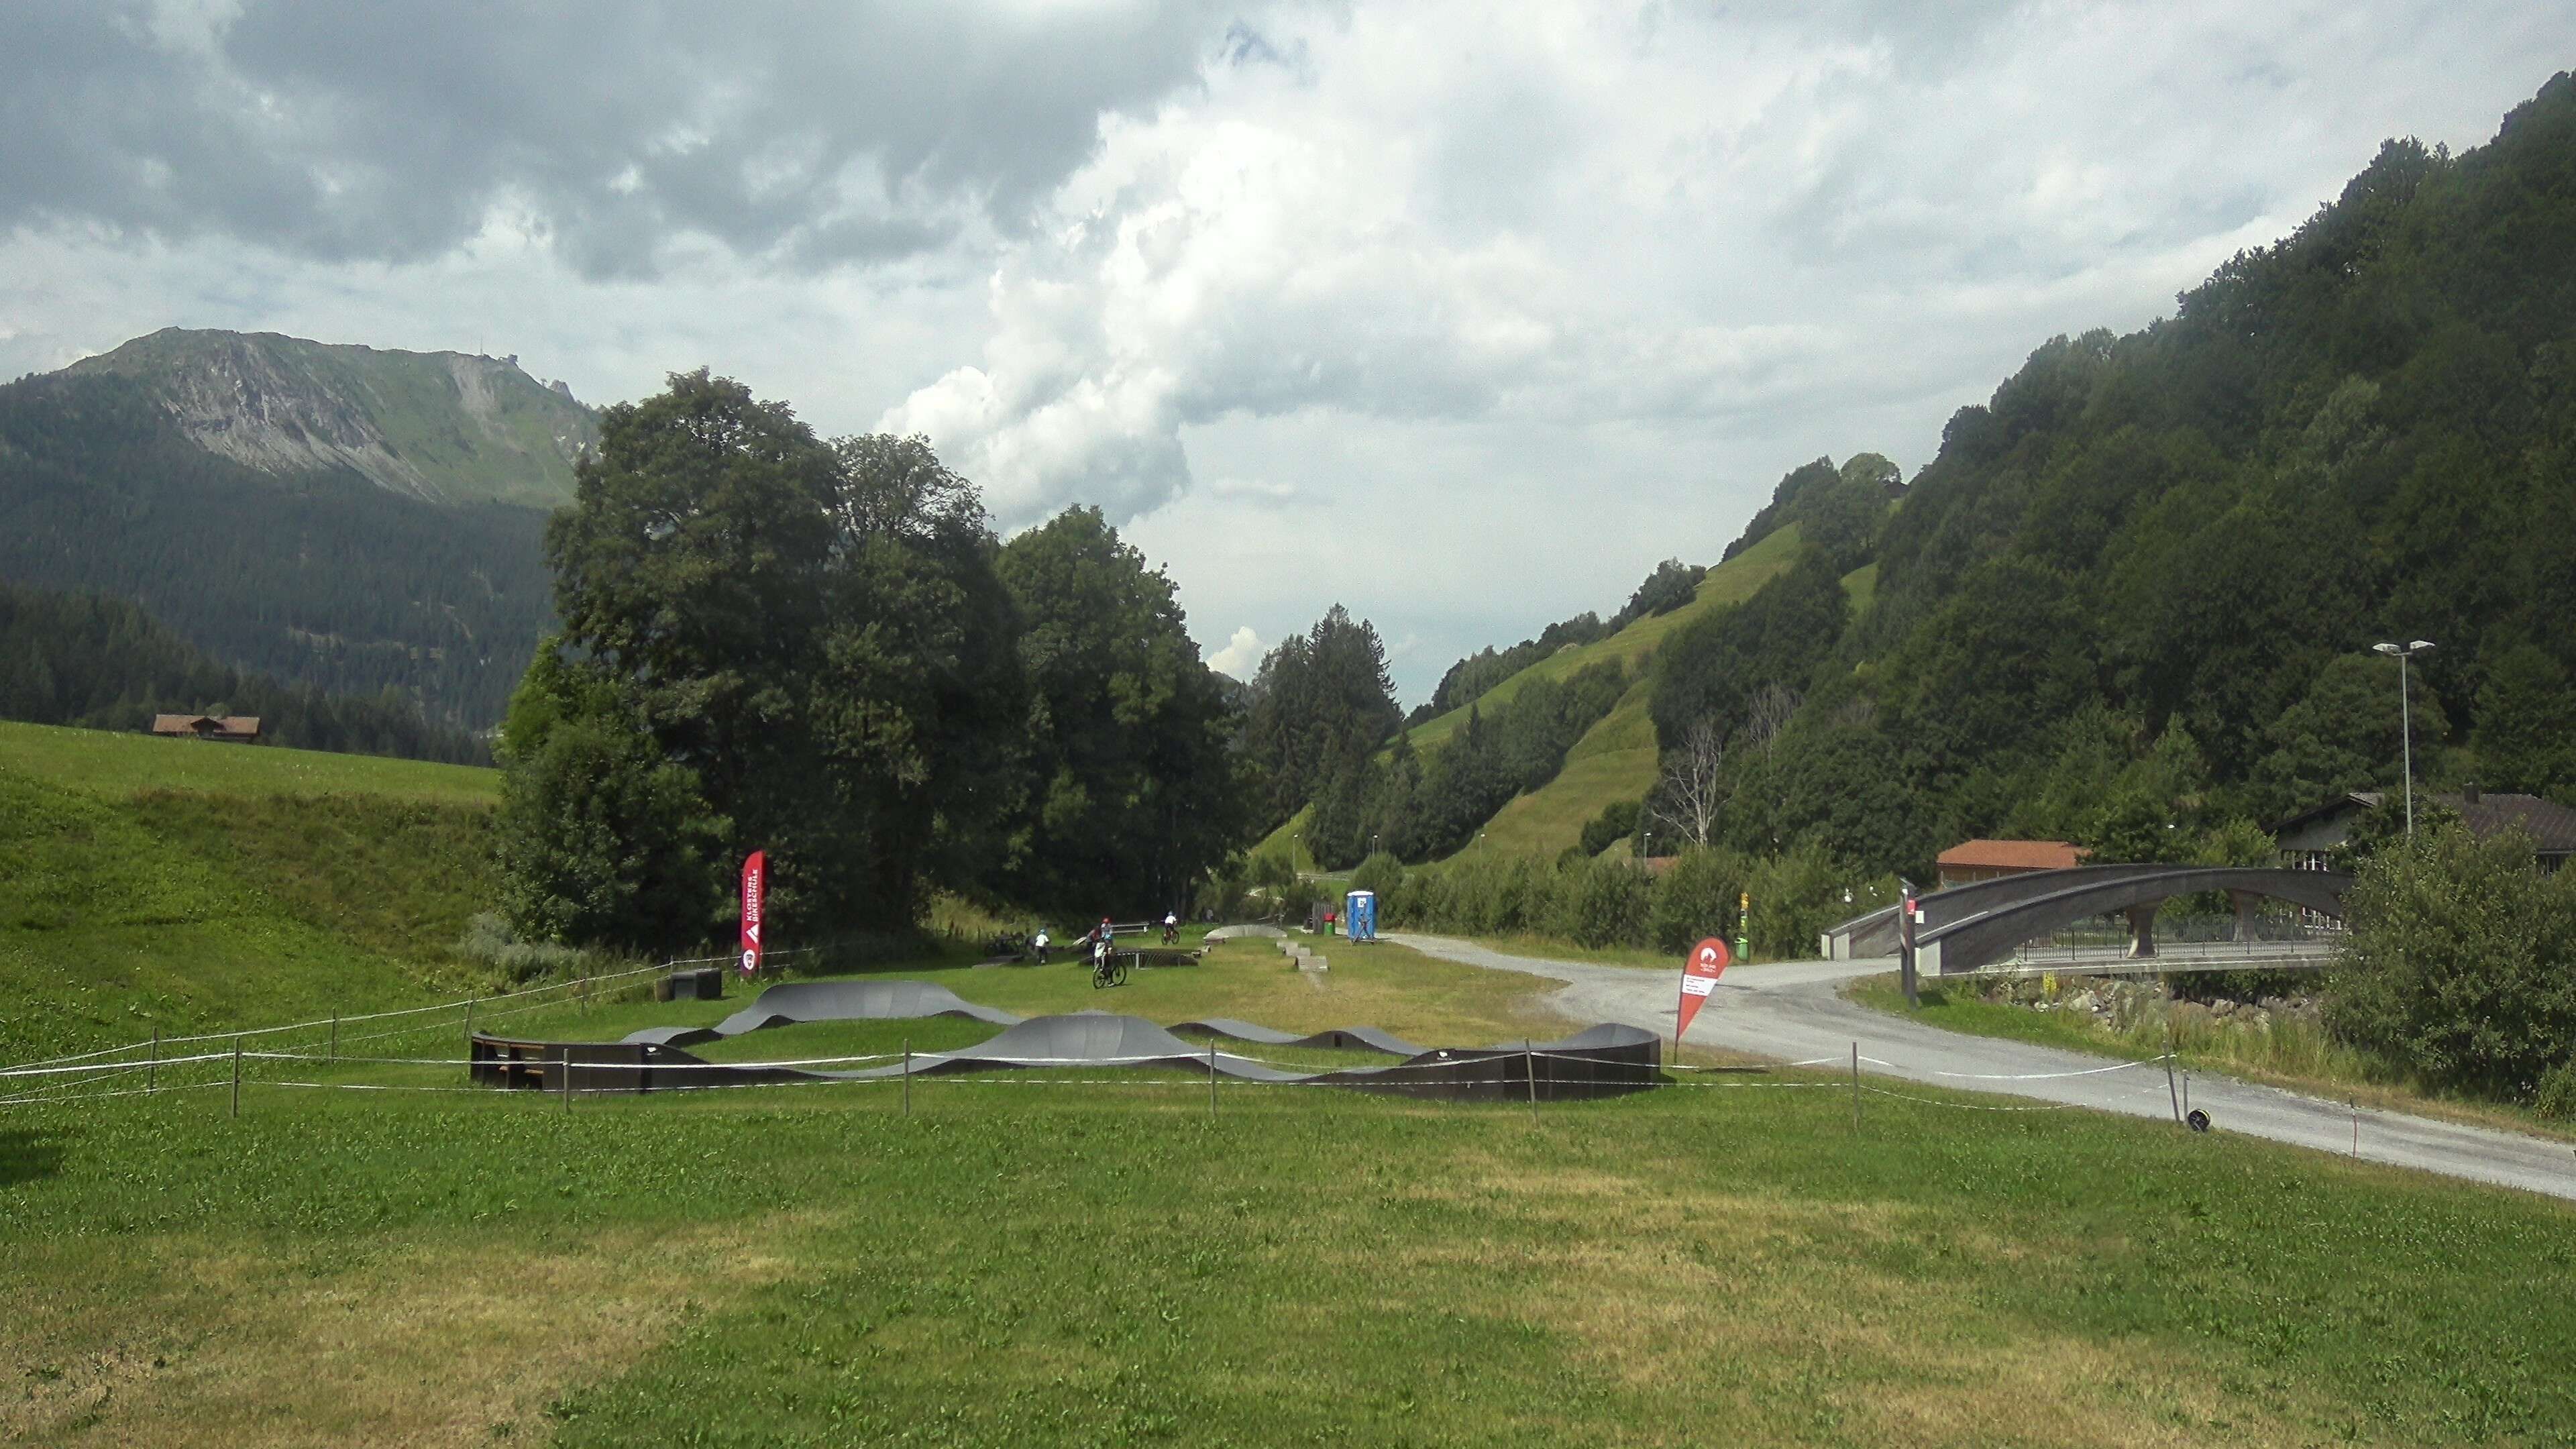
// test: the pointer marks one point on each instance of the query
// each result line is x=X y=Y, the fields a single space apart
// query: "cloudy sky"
x=1463 y=315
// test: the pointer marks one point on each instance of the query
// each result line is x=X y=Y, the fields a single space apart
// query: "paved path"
x=1791 y=1012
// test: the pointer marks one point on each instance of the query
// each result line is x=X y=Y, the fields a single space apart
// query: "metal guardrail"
x=2306 y=954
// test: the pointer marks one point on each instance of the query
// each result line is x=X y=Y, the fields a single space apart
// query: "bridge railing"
x=2303 y=953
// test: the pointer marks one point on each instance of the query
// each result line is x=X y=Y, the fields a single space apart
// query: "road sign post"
x=1909 y=911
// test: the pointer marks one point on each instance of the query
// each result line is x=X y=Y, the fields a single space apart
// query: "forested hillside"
x=321 y=578
x=102 y=663
x=2132 y=600
x=2135 y=594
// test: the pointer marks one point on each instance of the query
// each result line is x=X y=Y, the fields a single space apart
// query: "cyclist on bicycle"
x=1040 y=943
x=1171 y=927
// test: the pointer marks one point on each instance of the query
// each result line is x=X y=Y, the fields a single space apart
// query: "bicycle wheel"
x=1117 y=972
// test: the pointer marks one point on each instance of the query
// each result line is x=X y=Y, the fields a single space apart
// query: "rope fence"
x=69 y=1080
x=474 y=1010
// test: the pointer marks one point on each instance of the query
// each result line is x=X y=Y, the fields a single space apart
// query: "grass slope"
x=1604 y=765
x=1731 y=582
x=183 y=886
x=1616 y=759
x=1015 y=1263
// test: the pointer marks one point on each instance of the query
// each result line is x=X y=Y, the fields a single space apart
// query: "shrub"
x=1796 y=895
x=1696 y=899
x=2460 y=964
x=2557 y=1095
x=1381 y=873
x=1603 y=903
x=1616 y=822
x=489 y=943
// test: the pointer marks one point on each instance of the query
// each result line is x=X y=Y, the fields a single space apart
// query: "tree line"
x=2132 y=601
x=819 y=649
x=95 y=662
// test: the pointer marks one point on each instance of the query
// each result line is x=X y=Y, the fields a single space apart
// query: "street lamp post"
x=2406 y=718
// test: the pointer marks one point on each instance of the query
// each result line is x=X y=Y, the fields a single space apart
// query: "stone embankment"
x=2128 y=1005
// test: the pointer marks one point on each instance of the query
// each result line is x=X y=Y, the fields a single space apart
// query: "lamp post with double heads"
x=2406 y=718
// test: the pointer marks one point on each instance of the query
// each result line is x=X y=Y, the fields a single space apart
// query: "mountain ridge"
x=445 y=428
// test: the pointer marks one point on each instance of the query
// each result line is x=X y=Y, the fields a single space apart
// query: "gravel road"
x=1791 y=1012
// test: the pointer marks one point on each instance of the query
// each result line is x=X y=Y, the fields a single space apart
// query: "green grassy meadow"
x=110 y=764
x=373 y=1252
x=181 y=886
x=1069 y=1264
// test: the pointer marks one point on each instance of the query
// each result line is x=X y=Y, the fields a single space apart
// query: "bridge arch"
x=1984 y=930
x=1875 y=933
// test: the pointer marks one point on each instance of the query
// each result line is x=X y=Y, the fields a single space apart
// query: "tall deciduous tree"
x=1127 y=730
x=769 y=643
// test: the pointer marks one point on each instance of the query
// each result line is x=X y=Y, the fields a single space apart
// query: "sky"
x=1460 y=315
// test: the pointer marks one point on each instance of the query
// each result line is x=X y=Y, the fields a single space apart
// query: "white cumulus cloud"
x=1241 y=656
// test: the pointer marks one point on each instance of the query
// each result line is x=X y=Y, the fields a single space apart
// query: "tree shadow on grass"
x=28 y=1155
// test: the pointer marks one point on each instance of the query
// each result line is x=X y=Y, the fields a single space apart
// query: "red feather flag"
x=755 y=899
x=1707 y=961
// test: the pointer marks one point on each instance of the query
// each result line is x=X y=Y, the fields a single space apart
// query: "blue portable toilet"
x=1359 y=915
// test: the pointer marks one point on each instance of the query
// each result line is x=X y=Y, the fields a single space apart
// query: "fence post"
x=567 y=1077
x=1855 y=1086
x=236 y=1076
x=1211 y=1079
x=2356 y=1126
x=907 y=1076
x=335 y=1036
x=2169 y=1076
x=1529 y=1066
x=469 y=1017
x=152 y=1072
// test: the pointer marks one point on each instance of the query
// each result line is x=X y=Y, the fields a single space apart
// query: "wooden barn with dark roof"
x=238 y=729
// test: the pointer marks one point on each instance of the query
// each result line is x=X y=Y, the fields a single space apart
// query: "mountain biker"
x=1171 y=927
x=1040 y=943
x=1101 y=938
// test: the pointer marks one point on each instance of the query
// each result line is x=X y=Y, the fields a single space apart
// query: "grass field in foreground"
x=2298 y=1056
x=1023 y=1264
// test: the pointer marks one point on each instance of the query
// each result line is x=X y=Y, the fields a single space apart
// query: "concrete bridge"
x=1971 y=927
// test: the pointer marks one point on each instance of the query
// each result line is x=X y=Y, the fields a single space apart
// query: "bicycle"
x=1108 y=968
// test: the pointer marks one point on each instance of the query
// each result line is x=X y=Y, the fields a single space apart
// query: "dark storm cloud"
x=392 y=131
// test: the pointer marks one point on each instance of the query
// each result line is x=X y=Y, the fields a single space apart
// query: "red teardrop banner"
x=1706 y=962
